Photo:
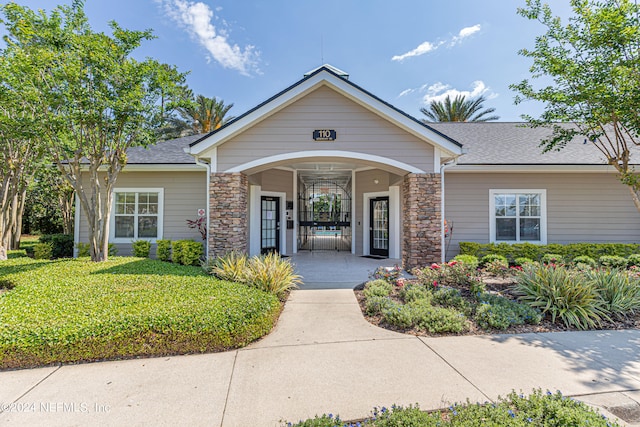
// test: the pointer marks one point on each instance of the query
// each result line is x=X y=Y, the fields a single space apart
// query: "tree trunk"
x=66 y=207
x=635 y=195
x=17 y=212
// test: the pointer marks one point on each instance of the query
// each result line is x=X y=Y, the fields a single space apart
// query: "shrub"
x=470 y=261
x=491 y=258
x=84 y=249
x=449 y=297
x=388 y=274
x=415 y=292
x=163 y=250
x=612 y=261
x=633 y=260
x=231 y=267
x=271 y=273
x=453 y=273
x=398 y=315
x=187 y=252
x=61 y=245
x=561 y=293
x=552 y=259
x=535 y=252
x=376 y=305
x=141 y=248
x=377 y=288
x=497 y=267
x=620 y=293
x=43 y=250
x=498 y=312
x=436 y=320
x=584 y=259
x=112 y=249
x=520 y=261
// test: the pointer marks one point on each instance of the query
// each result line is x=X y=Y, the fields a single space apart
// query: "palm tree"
x=460 y=110
x=196 y=116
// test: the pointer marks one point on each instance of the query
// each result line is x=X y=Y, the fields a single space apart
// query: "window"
x=137 y=214
x=518 y=216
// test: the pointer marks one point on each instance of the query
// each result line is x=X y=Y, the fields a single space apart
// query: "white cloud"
x=406 y=92
x=427 y=46
x=197 y=19
x=439 y=91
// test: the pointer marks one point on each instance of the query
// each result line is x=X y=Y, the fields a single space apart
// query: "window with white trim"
x=518 y=216
x=137 y=214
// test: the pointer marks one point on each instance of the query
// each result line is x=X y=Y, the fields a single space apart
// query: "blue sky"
x=405 y=52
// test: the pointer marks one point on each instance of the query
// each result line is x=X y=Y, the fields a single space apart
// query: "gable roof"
x=164 y=152
x=326 y=76
x=508 y=143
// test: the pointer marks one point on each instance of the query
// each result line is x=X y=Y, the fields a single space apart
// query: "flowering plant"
x=200 y=224
x=389 y=274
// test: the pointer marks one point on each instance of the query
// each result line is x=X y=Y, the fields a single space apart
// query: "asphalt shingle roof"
x=165 y=152
x=501 y=143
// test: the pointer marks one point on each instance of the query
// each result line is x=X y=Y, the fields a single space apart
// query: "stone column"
x=228 y=213
x=421 y=228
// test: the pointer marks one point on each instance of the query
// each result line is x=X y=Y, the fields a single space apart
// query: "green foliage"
x=415 y=292
x=389 y=274
x=187 y=252
x=375 y=305
x=552 y=259
x=460 y=109
x=378 y=287
x=497 y=267
x=469 y=260
x=584 y=259
x=62 y=244
x=141 y=248
x=75 y=310
x=535 y=252
x=561 y=293
x=231 y=267
x=633 y=260
x=271 y=273
x=520 y=261
x=452 y=273
x=398 y=315
x=163 y=250
x=83 y=249
x=515 y=410
x=43 y=250
x=489 y=258
x=436 y=320
x=449 y=297
x=619 y=291
x=497 y=312
x=612 y=261
x=593 y=61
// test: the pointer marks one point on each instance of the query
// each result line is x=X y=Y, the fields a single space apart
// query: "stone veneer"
x=228 y=213
x=421 y=242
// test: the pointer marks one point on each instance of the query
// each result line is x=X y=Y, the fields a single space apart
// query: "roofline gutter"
x=208 y=167
x=443 y=247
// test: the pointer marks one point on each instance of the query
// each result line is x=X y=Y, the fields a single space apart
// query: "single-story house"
x=326 y=165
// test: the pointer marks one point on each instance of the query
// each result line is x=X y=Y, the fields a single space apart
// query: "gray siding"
x=358 y=130
x=184 y=194
x=593 y=207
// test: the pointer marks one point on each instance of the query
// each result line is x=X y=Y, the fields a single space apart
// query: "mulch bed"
x=500 y=286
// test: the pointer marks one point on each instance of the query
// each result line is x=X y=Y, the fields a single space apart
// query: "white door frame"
x=394 y=220
x=255 y=227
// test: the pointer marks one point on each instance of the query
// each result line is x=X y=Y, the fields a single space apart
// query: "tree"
x=19 y=144
x=593 y=63
x=49 y=206
x=95 y=100
x=197 y=115
x=460 y=110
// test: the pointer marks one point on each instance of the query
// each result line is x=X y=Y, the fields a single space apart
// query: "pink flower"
x=435 y=266
x=452 y=263
x=435 y=283
x=400 y=283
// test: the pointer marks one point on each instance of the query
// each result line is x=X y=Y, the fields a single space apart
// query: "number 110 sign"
x=324 y=135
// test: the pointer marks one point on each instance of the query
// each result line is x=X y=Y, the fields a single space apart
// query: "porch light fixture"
x=375 y=181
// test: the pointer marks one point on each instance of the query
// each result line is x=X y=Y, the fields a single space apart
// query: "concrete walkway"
x=323 y=357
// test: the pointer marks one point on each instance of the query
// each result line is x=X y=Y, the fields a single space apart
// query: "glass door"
x=379 y=226
x=270 y=224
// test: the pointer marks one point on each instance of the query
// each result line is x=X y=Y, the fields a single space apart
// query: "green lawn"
x=76 y=310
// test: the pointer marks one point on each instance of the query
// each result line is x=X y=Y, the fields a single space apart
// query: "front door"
x=379 y=226
x=270 y=228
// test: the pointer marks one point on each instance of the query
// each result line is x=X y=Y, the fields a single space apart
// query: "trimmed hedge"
x=61 y=244
x=536 y=252
x=187 y=252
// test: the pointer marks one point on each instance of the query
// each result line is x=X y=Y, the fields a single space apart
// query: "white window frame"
x=112 y=222
x=543 y=214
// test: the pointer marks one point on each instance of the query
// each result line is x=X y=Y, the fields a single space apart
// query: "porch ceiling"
x=326 y=166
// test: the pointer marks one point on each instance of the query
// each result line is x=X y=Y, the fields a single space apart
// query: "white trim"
x=543 y=214
x=353 y=211
x=213 y=160
x=156 y=168
x=436 y=160
x=254 y=220
x=394 y=220
x=207 y=197
x=308 y=85
x=283 y=218
x=112 y=220
x=295 y=213
x=76 y=225
x=325 y=153
x=533 y=168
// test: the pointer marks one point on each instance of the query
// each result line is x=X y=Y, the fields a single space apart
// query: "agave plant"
x=271 y=273
x=619 y=291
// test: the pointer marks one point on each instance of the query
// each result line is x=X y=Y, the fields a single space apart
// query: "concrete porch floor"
x=336 y=270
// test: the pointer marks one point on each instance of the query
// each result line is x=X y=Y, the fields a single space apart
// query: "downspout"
x=443 y=248
x=208 y=167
